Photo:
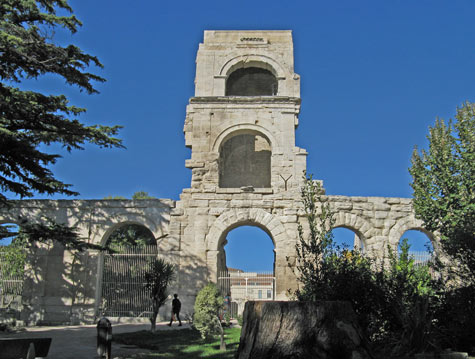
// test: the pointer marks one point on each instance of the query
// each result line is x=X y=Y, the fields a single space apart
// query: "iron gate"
x=123 y=282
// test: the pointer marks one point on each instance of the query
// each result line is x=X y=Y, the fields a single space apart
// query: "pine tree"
x=30 y=120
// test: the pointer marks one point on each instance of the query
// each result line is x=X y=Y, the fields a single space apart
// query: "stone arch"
x=246 y=128
x=130 y=218
x=253 y=60
x=234 y=218
x=245 y=160
x=351 y=221
x=123 y=220
x=407 y=223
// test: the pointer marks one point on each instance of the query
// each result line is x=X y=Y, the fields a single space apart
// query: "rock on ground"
x=298 y=330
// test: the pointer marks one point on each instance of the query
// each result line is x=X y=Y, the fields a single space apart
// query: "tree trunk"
x=222 y=345
x=153 y=318
x=301 y=330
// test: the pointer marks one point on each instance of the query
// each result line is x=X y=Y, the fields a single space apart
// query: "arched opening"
x=247 y=263
x=123 y=291
x=346 y=238
x=12 y=270
x=130 y=235
x=420 y=245
x=245 y=160
x=251 y=81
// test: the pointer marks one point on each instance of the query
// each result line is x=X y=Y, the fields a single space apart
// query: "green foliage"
x=142 y=195
x=327 y=271
x=135 y=196
x=48 y=231
x=158 y=280
x=444 y=199
x=30 y=121
x=395 y=303
x=130 y=235
x=12 y=260
x=240 y=320
x=456 y=318
x=209 y=302
x=408 y=306
x=444 y=187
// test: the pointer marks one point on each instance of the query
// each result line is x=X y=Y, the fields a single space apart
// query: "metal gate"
x=243 y=286
x=11 y=282
x=123 y=282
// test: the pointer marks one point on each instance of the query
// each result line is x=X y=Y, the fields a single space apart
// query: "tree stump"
x=301 y=330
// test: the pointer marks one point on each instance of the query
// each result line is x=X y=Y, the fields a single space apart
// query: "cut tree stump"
x=301 y=330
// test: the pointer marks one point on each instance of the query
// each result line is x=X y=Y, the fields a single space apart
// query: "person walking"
x=176 y=307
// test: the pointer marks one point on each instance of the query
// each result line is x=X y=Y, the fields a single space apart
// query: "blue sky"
x=374 y=75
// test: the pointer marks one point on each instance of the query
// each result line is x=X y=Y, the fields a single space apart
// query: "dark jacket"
x=176 y=305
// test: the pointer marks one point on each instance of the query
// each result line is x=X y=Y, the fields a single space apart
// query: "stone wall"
x=59 y=288
x=191 y=233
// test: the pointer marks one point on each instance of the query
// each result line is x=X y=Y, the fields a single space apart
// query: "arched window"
x=245 y=160
x=251 y=81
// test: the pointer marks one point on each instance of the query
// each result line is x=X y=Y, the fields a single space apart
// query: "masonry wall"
x=191 y=232
x=59 y=288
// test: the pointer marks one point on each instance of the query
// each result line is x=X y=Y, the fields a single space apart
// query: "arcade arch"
x=247 y=256
x=250 y=249
x=129 y=235
x=121 y=274
x=361 y=228
x=410 y=223
x=347 y=238
x=5 y=229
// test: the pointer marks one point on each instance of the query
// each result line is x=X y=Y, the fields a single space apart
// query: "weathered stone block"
x=301 y=330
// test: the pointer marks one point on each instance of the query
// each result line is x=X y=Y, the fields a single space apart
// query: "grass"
x=185 y=343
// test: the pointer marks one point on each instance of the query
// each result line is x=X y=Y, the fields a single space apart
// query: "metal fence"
x=243 y=286
x=421 y=257
x=11 y=286
x=123 y=282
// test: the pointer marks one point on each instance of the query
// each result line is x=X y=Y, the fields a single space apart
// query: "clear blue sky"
x=374 y=74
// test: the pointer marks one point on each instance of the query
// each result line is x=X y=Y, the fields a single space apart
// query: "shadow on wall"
x=191 y=277
x=61 y=285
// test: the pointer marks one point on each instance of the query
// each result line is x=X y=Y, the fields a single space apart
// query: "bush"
x=240 y=320
x=410 y=299
x=456 y=319
x=209 y=302
x=396 y=303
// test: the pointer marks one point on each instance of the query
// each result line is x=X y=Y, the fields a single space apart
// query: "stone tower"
x=246 y=169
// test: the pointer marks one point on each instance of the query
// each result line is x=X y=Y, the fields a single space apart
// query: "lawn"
x=185 y=343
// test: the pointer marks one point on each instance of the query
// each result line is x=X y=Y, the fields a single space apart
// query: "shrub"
x=240 y=320
x=396 y=303
x=207 y=306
